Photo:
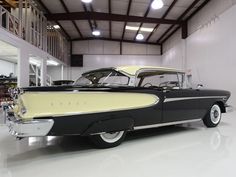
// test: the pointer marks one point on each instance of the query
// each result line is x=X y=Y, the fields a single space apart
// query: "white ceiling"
x=8 y=52
x=138 y=8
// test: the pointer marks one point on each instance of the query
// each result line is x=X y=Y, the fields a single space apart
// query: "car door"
x=151 y=114
x=180 y=105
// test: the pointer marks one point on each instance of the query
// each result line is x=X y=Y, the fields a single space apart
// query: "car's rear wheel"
x=108 y=140
x=213 y=117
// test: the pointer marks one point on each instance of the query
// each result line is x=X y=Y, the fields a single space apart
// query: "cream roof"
x=132 y=70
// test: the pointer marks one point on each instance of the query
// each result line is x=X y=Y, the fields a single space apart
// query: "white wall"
x=100 y=54
x=99 y=47
x=209 y=52
x=174 y=52
x=7 y=67
x=100 y=61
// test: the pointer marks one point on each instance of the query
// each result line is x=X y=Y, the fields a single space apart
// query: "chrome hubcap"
x=215 y=114
x=112 y=137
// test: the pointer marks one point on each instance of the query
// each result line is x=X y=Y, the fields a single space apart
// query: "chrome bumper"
x=28 y=128
x=229 y=108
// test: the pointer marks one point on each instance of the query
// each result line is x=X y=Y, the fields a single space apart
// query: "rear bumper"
x=28 y=128
x=229 y=108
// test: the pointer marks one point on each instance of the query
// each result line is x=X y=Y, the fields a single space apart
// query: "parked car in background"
x=105 y=104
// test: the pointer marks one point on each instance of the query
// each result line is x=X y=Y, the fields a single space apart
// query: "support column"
x=43 y=73
x=23 y=68
x=121 y=48
x=37 y=76
x=20 y=14
x=62 y=72
x=185 y=30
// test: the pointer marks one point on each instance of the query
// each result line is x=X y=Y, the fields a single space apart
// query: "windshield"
x=103 y=78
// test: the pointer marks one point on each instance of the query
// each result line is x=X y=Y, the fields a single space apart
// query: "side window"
x=170 y=81
x=151 y=81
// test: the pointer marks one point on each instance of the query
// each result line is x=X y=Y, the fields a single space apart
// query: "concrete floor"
x=189 y=150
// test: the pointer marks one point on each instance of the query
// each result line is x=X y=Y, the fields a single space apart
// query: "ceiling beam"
x=94 y=21
x=145 y=15
x=188 y=18
x=89 y=21
x=127 y=14
x=106 y=17
x=163 y=17
x=198 y=9
x=10 y=3
x=171 y=34
x=179 y=19
x=67 y=11
x=115 y=40
x=48 y=12
x=110 y=25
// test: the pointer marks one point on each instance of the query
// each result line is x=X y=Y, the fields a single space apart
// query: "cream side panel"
x=72 y=103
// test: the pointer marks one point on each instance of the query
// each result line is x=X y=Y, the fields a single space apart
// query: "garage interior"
x=44 y=41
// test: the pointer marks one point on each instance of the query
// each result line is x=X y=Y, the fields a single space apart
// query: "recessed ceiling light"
x=157 y=4
x=56 y=26
x=87 y=1
x=96 y=33
x=139 y=37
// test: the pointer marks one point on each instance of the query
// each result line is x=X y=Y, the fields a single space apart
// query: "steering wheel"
x=147 y=84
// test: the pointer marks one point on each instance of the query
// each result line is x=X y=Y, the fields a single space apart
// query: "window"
x=103 y=77
x=160 y=80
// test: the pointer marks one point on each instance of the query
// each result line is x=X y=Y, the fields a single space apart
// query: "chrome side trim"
x=192 y=98
x=165 y=124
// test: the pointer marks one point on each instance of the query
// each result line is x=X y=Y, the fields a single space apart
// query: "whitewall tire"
x=213 y=117
x=108 y=140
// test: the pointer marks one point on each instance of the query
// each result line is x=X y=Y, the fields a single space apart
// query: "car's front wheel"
x=213 y=117
x=108 y=140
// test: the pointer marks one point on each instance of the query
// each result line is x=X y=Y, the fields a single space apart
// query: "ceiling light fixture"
x=52 y=62
x=87 y=1
x=146 y=29
x=139 y=37
x=133 y=28
x=56 y=26
x=157 y=4
x=96 y=33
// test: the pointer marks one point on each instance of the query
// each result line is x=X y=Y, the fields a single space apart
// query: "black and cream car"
x=106 y=103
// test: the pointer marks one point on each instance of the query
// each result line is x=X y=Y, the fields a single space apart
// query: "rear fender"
x=110 y=125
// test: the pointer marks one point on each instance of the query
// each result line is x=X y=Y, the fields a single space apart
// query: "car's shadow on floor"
x=70 y=145
x=157 y=132
x=56 y=147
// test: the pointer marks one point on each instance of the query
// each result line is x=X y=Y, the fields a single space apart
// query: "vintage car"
x=104 y=104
